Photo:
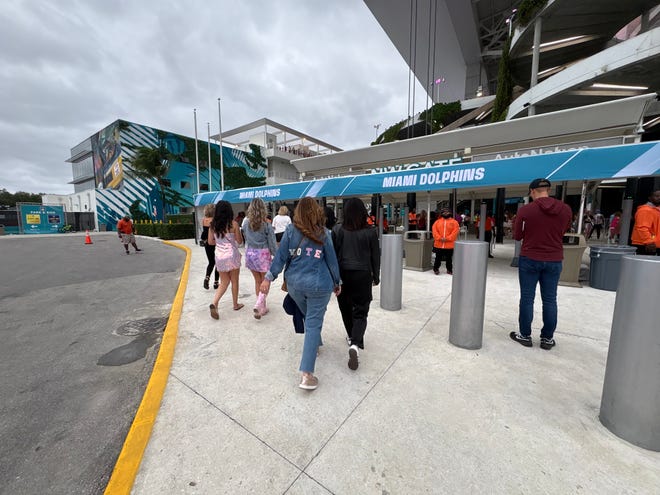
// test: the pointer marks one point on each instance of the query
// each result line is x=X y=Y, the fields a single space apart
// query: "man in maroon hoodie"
x=540 y=226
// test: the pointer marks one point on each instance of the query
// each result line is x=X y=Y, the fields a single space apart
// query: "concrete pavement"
x=68 y=311
x=418 y=416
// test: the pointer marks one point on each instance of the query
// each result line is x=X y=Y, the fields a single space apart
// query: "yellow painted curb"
x=128 y=462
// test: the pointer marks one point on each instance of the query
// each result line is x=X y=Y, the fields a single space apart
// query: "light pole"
x=222 y=166
x=510 y=19
x=376 y=126
x=437 y=84
x=192 y=189
x=196 y=147
x=208 y=128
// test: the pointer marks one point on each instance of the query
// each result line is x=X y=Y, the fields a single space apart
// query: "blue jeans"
x=313 y=305
x=546 y=273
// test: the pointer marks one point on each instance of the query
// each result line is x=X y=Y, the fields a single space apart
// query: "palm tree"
x=154 y=163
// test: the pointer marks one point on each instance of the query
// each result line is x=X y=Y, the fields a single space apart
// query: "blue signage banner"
x=631 y=160
x=40 y=219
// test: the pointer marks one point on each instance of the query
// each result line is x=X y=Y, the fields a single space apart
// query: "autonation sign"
x=413 y=166
x=543 y=150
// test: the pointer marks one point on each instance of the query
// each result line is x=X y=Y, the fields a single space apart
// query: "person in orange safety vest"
x=445 y=232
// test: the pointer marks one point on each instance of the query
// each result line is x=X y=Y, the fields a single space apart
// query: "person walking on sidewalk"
x=599 y=223
x=209 y=249
x=540 y=226
x=358 y=255
x=225 y=235
x=445 y=232
x=281 y=222
x=126 y=232
x=260 y=245
x=646 y=232
x=312 y=275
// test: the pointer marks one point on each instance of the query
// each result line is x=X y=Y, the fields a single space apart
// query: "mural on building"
x=174 y=184
x=106 y=153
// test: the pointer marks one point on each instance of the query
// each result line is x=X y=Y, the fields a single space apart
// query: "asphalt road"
x=80 y=327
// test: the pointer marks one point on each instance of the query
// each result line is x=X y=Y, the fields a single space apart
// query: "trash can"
x=418 y=246
x=2 y=229
x=574 y=246
x=606 y=265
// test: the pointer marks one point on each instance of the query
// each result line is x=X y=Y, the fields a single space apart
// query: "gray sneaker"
x=309 y=382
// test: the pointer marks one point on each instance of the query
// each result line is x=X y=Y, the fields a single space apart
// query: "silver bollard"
x=482 y=222
x=624 y=226
x=468 y=294
x=630 y=406
x=391 y=271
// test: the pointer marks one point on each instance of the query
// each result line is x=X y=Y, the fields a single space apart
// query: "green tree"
x=136 y=213
x=9 y=199
x=255 y=159
x=154 y=163
x=504 y=94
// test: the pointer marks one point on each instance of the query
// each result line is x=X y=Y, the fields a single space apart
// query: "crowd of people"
x=295 y=150
x=318 y=257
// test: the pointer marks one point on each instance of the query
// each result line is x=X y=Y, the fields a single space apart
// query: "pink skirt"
x=257 y=260
x=227 y=257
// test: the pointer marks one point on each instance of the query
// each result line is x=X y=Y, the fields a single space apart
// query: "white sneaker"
x=353 y=357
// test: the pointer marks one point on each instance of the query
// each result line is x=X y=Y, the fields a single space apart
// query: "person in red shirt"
x=125 y=232
x=540 y=226
x=372 y=220
x=488 y=232
x=646 y=232
x=445 y=232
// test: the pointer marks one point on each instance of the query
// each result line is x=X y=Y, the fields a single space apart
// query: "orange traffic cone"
x=88 y=239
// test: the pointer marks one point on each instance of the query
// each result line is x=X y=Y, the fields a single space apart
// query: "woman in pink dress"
x=225 y=235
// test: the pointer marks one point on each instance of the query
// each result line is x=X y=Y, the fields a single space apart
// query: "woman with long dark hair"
x=358 y=254
x=225 y=235
x=209 y=249
x=259 y=247
x=312 y=275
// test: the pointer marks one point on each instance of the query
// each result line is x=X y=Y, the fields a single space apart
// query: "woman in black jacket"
x=356 y=244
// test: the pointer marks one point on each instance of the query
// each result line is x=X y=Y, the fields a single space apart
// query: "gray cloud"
x=72 y=67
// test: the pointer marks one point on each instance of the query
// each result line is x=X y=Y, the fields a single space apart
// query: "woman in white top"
x=280 y=222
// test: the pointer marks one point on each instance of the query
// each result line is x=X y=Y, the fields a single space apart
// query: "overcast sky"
x=69 y=68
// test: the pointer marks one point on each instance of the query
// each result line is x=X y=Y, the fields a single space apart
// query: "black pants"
x=598 y=228
x=354 y=303
x=488 y=237
x=447 y=255
x=641 y=251
x=210 y=255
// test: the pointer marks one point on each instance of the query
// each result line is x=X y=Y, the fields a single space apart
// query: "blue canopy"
x=632 y=160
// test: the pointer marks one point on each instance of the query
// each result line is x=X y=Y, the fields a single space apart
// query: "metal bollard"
x=482 y=222
x=391 y=271
x=624 y=226
x=468 y=294
x=630 y=406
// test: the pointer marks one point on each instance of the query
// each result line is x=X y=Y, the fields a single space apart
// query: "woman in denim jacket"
x=312 y=275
